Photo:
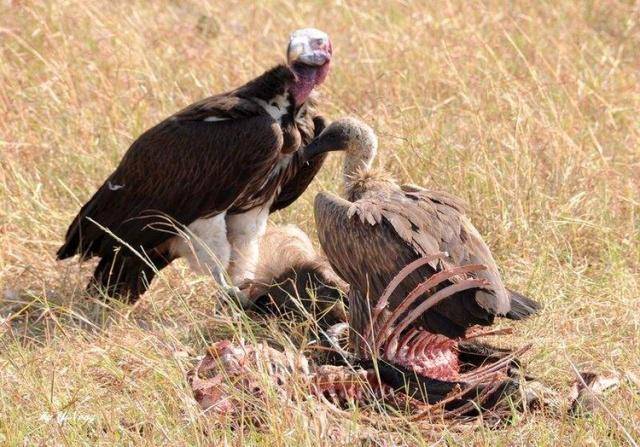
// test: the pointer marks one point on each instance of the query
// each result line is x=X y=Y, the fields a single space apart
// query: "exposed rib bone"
x=504 y=362
x=402 y=274
x=436 y=298
x=397 y=280
x=420 y=289
x=486 y=333
x=409 y=336
x=474 y=403
x=429 y=410
x=419 y=345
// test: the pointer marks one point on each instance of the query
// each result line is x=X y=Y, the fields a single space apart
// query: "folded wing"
x=368 y=241
x=191 y=165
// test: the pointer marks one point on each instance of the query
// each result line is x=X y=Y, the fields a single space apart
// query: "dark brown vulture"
x=213 y=170
x=416 y=320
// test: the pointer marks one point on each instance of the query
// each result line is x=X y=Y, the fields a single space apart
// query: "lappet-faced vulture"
x=420 y=274
x=218 y=167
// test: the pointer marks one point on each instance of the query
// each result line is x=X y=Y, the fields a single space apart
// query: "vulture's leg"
x=208 y=251
x=244 y=232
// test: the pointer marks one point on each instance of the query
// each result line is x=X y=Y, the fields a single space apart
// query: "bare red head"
x=309 y=56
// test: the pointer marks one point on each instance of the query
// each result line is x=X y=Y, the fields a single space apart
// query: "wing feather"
x=299 y=173
x=412 y=225
x=444 y=218
x=368 y=258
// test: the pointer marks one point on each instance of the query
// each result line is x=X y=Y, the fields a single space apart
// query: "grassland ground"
x=527 y=110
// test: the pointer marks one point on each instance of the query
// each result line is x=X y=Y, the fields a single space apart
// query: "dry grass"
x=528 y=110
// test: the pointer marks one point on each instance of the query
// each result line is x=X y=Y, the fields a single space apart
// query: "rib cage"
x=232 y=367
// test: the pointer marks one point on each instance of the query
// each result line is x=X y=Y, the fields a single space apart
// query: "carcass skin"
x=481 y=379
x=234 y=378
x=292 y=279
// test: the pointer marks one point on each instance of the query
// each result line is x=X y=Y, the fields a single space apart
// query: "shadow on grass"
x=197 y=313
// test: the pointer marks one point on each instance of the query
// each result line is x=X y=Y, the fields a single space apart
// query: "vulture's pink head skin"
x=309 y=56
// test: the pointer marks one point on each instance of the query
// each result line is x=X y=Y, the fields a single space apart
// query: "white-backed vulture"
x=420 y=274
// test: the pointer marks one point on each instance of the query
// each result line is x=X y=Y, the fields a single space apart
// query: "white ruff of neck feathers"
x=356 y=164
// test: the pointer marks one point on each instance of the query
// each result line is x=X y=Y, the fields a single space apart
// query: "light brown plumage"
x=381 y=226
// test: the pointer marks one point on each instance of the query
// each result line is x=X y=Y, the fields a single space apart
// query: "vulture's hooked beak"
x=325 y=142
x=308 y=152
x=345 y=134
x=309 y=46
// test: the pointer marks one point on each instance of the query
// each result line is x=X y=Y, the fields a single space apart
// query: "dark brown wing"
x=299 y=173
x=191 y=165
x=367 y=242
x=220 y=107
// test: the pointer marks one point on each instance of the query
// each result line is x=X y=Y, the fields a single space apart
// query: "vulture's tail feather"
x=126 y=277
x=522 y=306
x=73 y=240
x=81 y=236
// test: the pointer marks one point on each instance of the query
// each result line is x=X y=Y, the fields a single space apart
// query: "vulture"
x=292 y=279
x=201 y=183
x=421 y=279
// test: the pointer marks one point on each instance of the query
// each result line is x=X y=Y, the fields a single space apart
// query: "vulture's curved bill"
x=420 y=275
x=201 y=183
x=292 y=279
